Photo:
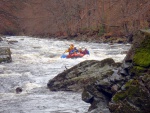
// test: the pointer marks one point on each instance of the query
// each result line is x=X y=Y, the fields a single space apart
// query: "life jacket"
x=74 y=51
x=70 y=48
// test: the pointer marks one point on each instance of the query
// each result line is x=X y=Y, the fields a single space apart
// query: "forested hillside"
x=73 y=17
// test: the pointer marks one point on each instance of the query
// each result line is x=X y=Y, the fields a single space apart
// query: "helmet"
x=71 y=45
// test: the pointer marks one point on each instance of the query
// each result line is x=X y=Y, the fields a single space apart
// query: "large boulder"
x=5 y=54
x=134 y=96
x=129 y=92
x=85 y=73
x=97 y=79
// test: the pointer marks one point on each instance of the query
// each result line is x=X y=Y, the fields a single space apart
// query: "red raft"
x=75 y=55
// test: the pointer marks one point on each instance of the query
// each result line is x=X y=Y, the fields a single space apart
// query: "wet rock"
x=5 y=54
x=12 y=41
x=124 y=72
x=1 y=39
x=125 y=67
x=98 y=100
x=124 y=52
x=87 y=97
x=18 y=90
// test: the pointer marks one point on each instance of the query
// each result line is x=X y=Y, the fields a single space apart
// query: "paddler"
x=70 y=48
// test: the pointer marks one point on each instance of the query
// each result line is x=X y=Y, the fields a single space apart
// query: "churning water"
x=37 y=60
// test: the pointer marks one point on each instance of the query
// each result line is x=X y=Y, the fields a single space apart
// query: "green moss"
x=1 y=60
x=142 y=53
x=107 y=74
x=137 y=70
x=128 y=84
x=131 y=90
x=119 y=96
x=142 y=58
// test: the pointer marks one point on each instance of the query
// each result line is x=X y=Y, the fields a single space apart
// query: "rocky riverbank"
x=112 y=87
x=99 y=39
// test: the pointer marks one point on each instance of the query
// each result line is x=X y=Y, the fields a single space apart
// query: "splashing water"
x=35 y=61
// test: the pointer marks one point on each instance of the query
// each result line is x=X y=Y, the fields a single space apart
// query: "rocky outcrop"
x=134 y=95
x=5 y=54
x=77 y=77
x=112 y=87
x=98 y=80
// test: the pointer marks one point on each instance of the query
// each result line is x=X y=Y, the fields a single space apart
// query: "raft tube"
x=75 y=55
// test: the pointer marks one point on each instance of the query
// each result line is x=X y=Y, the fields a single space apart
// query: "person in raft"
x=75 y=50
x=70 y=49
x=85 y=51
x=80 y=50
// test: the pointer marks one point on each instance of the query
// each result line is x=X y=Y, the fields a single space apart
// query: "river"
x=34 y=62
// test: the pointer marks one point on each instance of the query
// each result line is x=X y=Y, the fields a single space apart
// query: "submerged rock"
x=18 y=90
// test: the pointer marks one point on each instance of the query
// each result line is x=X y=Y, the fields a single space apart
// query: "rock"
x=77 y=77
x=97 y=80
x=87 y=96
x=114 y=88
x=97 y=100
x=5 y=54
x=12 y=41
x=129 y=37
x=134 y=95
x=139 y=37
x=1 y=39
x=18 y=90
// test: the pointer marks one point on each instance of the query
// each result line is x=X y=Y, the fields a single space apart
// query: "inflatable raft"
x=74 y=55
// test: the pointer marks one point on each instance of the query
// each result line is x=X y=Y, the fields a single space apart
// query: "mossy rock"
x=123 y=107
x=119 y=96
x=131 y=89
x=146 y=78
x=142 y=58
x=142 y=53
x=135 y=96
x=137 y=70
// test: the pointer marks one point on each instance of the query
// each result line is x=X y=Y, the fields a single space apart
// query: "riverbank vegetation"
x=74 y=19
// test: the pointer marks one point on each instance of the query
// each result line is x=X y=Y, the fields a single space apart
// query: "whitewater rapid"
x=34 y=62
